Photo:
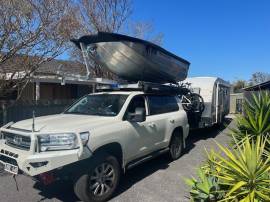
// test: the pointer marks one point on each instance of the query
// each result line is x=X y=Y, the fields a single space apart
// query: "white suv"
x=96 y=139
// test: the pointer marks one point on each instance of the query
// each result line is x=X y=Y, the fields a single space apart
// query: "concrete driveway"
x=158 y=180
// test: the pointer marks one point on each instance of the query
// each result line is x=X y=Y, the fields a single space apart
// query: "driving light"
x=84 y=137
x=54 y=142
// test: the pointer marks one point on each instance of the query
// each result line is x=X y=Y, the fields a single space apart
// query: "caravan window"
x=162 y=104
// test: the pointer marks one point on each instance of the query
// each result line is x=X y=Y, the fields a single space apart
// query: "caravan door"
x=221 y=102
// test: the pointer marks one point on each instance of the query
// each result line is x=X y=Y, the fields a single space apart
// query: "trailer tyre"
x=100 y=182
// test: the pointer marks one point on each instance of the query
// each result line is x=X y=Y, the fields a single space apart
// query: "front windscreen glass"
x=99 y=105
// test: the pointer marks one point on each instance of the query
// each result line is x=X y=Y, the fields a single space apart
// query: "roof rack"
x=146 y=87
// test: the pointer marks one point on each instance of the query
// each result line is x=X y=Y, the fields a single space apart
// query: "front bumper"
x=33 y=163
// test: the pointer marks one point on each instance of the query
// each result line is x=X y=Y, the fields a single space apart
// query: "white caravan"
x=216 y=95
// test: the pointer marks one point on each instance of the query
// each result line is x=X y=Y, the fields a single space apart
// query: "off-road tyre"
x=176 y=146
x=84 y=183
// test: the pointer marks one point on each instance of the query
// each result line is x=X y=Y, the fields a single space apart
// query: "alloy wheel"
x=102 y=179
x=176 y=147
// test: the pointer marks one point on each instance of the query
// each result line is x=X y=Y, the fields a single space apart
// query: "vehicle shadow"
x=2 y=172
x=211 y=132
x=64 y=191
x=60 y=190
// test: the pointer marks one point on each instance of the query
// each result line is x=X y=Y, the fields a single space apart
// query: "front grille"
x=17 y=141
x=6 y=159
x=11 y=154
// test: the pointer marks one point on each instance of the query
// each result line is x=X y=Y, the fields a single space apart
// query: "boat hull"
x=137 y=60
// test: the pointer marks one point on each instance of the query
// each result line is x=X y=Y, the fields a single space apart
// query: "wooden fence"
x=16 y=111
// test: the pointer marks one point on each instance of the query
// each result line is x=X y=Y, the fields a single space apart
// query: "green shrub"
x=241 y=172
x=209 y=167
x=256 y=120
x=244 y=171
x=205 y=189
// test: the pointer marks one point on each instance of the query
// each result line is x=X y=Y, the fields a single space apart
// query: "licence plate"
x=11 y=168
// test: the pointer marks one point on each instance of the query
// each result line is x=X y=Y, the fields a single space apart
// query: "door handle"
x=172 y=120
x=151 y=125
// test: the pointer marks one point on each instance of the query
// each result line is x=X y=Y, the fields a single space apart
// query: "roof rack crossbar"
x=146 y=87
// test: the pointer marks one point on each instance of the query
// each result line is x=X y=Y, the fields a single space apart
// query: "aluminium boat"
x=131 y=58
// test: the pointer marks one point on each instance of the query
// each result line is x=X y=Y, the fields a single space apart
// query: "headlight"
x=54 y=142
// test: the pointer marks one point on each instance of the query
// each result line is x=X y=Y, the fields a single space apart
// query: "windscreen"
x=99 y=105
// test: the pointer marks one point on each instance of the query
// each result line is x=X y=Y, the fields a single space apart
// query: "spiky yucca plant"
x=203 y=189
x=209 y=167
x=256 y=120
x=244 y=171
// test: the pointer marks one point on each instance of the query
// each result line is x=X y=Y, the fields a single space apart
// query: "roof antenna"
x=16 y=183
x=33 y=124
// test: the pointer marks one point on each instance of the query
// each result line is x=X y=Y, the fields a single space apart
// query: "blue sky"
x=225 y=38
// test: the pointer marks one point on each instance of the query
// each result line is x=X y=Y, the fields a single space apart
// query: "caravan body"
x=216 y=95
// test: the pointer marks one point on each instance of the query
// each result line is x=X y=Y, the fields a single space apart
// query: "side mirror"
x=138 y=116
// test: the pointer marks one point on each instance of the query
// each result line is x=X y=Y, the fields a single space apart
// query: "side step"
x=148 y=157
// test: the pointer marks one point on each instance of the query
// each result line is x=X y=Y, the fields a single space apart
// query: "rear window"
x=162 y=104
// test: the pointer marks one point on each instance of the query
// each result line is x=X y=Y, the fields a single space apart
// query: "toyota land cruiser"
x=96 y=139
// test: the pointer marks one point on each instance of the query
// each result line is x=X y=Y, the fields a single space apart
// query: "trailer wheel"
x=100 y=182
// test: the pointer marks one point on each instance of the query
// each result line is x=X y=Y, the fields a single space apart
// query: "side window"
x=162 y=104
x=137 y=101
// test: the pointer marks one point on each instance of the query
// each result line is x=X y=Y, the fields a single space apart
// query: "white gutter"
x=72 y=80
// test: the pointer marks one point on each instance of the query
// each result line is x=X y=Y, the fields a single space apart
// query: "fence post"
x=37 y=91
x=4 y=110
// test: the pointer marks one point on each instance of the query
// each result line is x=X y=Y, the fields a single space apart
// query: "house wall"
x=59 y=92
x=28 y=92
x=19 y=110
x=237 y=99
x=84 y=90
x=54 y=98
x=236 y=103
x=55 y=91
